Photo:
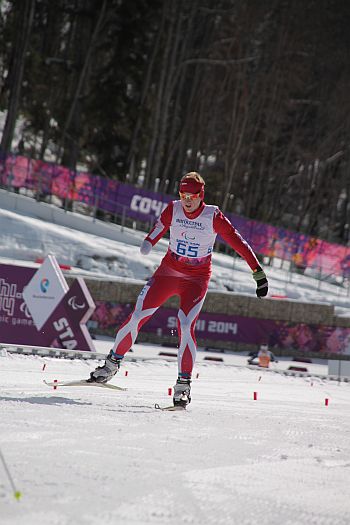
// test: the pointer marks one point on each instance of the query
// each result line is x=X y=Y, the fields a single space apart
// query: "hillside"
x=110 y=251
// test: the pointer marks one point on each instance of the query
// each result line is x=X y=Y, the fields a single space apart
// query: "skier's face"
x=190 y=202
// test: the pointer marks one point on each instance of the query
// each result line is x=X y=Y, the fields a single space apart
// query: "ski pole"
x=16 y=493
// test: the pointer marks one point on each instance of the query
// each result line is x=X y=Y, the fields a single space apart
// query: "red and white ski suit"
x=184 y=271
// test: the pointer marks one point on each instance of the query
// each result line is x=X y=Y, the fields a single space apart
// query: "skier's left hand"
x=262 y=285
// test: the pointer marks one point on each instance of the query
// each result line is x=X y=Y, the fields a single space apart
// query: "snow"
x=82 y=455
x=25 y=237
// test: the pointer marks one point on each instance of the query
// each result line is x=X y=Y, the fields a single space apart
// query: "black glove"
x=262 y=286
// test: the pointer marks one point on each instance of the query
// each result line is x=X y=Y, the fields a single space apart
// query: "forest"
x=252 y=94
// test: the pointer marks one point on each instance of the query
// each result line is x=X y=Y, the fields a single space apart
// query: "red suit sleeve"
x=224 y=228
x=162 y=225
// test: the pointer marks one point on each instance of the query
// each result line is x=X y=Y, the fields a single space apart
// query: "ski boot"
x=182 y=392
x=104 y=373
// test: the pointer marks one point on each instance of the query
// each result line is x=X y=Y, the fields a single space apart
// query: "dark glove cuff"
x=259 y=274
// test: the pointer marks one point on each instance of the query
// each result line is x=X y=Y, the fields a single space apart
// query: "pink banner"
x=144 y=205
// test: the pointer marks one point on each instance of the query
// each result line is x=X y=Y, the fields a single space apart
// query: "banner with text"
x=237 y=329
x=38 y=308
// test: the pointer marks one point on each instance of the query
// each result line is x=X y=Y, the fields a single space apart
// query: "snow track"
x=94 y=456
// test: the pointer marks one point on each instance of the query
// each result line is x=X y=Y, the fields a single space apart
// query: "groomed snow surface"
x=86 y=455
x=82 y=455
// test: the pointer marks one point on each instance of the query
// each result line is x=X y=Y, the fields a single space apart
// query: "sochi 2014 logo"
x=44 y=285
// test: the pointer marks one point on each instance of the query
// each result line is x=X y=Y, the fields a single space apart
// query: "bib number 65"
x=188 y=251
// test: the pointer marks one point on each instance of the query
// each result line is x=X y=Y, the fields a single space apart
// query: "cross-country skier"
x=184 y=271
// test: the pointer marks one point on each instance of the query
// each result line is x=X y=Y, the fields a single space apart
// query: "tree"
x=23 y=19
x=252 y=94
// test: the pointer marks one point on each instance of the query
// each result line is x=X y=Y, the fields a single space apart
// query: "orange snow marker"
x=326 y=401
x=170 y=390
x=55 y=386
x=255 y=396
x=126 y=373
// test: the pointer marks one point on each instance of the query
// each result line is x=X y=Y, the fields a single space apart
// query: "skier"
x=264 y=356
x=184 y=271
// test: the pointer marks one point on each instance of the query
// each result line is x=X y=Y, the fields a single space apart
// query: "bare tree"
x=25 y=15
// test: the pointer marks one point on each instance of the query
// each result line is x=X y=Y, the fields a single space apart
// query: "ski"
x=171 y=408
x=83 y=382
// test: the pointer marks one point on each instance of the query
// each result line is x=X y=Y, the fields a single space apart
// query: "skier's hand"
x=145 y=247
x=262 y=286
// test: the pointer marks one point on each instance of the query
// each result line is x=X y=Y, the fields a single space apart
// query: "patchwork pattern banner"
x=45 y=178
x=235 y=328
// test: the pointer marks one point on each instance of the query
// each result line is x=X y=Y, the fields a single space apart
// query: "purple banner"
x=66 y=326
x=236 y=329
x=125 y=200
x=16 y=323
